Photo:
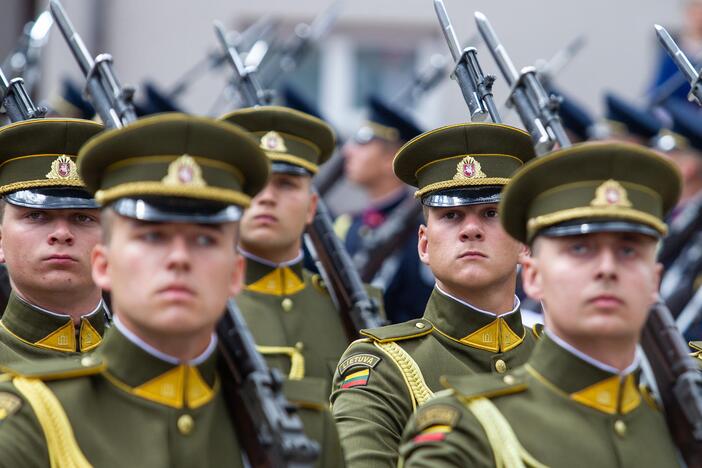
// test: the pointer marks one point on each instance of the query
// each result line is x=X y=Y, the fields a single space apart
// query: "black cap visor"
x=52 y=198
x=462 y=196
x=279 y=167
x=580 y=227
x=176 y=210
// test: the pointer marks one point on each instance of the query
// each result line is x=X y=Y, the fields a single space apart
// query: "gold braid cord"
x=60 y=442
x=508 y=452
x=410 y=372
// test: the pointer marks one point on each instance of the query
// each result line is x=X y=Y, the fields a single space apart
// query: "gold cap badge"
x=272 y=141
x=469 y=168
x=184 y=171
x=611 y=193
x=63 y=167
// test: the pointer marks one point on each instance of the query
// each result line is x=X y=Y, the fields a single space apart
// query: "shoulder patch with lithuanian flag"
x=435 y=422
x=356 y=378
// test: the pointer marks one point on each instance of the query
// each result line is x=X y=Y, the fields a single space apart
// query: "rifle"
x=16 y=101
x=683 y=63
x=537 y=110
x=476 y=87
x=111 y=101
x=387 y=238
x=272 y=431
x=302 y=43
x=357 y=309
x=678 y=380
x=261 y=29
x=252 y=94
x=24 y=59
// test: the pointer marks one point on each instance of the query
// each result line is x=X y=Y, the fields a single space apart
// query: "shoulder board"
x=308 y=393
x=399 y=331
x=469 y=387
x=57 y=369
x=696 y=346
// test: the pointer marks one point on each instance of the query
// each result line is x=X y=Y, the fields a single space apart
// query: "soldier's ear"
x=237 y=283
x=312 y=208
x=2 y=249
x=100 y=267
x=531 y=277
x=422 y=244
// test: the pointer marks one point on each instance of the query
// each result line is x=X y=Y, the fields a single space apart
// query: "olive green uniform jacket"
x=293 y=320
x=381 y=379
x=28 y=332
x=123 y=407
x=561 y=410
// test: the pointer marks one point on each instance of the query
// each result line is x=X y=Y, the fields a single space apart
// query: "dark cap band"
x=176 y=210
x=479 y=195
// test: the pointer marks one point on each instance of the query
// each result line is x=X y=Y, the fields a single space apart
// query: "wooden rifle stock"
x=679 y=382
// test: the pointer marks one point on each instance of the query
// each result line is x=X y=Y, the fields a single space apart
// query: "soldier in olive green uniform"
x=49 y=227
x=593 y=215
x=472 y=322
x=173 y=188
x=291 y=315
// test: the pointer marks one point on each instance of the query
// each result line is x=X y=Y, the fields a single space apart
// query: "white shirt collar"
x=467 y=304
x=258 y=259
x=56 y=314
x=161 y=355
x=594 y=362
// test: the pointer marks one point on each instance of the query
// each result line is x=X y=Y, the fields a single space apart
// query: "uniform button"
x=299 y=346
x=287 y=304
x=620 y=427
x=185 y=424
x=419 y=325
x=508 y=379
x=500 y=366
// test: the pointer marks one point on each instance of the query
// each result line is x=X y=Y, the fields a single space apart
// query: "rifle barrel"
x=678 y=56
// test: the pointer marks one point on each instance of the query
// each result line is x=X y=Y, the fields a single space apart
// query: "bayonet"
x=475 y=86
x=247 y=82
x=682 y=62
x=111 y=101
x=537 y=109
x=16 y=101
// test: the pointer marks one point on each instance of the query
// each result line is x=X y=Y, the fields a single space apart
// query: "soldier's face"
x=169 y=280
x=48 y=251
x=467 y=249
x=368 y=163
x=272 y=226
x=594 y=286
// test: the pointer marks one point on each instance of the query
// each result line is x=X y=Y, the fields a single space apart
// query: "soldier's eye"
x=81 y=218
x=490 y=213
x=152 y=236
x=204 y=240
x=36 y=216
x=579 y=248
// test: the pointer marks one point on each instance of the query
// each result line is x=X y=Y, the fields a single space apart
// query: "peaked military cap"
x=154 y=101
x=386 y=122
x=294 y=99
x=578 y=120
x=463 y=164
x=295 y=142
x=625 y=117
x=37 y=163
x=686 y=121
x=591 y=187
x=175 y=167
